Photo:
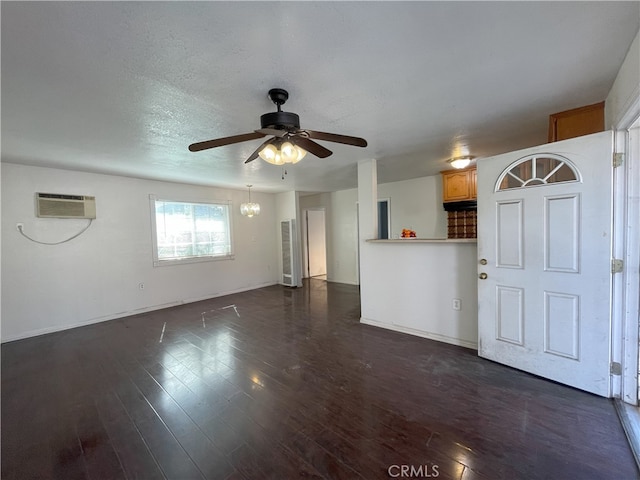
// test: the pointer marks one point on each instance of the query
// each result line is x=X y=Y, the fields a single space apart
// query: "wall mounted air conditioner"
x=290 y=255
x=55 y=205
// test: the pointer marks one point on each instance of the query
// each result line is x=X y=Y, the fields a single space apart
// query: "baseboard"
x=115 y=316
x=421 y=333
x=630 y=419
x=346 y=282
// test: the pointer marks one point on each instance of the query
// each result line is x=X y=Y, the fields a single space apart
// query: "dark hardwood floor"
x=279 y=383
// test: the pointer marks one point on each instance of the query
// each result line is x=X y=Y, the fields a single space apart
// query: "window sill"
x=188 y=260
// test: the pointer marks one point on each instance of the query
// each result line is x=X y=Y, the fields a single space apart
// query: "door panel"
x=561 y=324
x=562 y=233
x=544 y=306
x=509 y=315
x=509 y=234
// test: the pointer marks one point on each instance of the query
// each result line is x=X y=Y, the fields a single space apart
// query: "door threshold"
x=630 y=418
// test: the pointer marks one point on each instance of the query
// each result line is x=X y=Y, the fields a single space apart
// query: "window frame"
x=158 y=262
x=534 y=157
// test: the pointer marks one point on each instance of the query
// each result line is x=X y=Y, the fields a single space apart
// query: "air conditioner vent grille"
x=290 y=268
x=53 y=205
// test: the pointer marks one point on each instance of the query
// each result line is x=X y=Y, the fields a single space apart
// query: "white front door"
x=544 y=230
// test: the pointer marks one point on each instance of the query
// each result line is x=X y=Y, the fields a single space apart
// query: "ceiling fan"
x=289 y=142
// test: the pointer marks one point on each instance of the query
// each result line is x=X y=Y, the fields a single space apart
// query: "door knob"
x=483 y=261
x=483 y=276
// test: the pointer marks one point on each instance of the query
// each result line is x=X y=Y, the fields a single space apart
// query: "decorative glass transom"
x=535 y=170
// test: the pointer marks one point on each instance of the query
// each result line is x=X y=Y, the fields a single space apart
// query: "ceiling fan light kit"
x=289 y=144
x=284 y=152
x=461 y=162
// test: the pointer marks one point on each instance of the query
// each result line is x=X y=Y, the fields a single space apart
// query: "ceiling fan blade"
x=220 y=142
x=311 y=147
x=334 y=137
x=276 y=132
x=254 y=155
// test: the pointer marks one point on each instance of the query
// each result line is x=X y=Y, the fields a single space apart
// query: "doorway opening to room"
x=315 y=245
x=384 y=219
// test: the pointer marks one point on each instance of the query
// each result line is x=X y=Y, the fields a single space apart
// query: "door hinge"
x=618 y=158
x=617 y=265
x=615 y=368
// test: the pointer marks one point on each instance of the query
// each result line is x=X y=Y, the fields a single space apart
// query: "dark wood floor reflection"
x=279 y=383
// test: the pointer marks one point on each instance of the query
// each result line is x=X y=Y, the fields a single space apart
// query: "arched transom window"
x=535 y=170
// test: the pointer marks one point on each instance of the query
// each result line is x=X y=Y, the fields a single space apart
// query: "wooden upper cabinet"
x=474 y=183
x=459 y=185
x=576 y=122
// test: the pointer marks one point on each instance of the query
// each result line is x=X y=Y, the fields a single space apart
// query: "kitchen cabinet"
x=576 y=122
x=474 y=183
x=459 y=185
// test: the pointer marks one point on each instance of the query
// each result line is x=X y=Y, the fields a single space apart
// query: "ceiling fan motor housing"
x=280 y=120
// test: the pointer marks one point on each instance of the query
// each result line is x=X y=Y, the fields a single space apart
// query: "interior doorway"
x=315 y=257
x=384 y=219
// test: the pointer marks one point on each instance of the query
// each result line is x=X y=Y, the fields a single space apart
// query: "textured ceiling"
x=124 y=88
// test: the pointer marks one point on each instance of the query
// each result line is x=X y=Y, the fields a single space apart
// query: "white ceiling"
x=124 y=88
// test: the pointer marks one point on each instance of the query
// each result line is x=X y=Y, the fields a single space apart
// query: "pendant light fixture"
x=250 y=209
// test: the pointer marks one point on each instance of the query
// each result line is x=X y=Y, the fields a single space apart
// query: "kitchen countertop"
x=425 y=240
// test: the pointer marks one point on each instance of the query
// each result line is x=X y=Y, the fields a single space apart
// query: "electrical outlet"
x=456 y=304
x=141 y=286
x=19 y=226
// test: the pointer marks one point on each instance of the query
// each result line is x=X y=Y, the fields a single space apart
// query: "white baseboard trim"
x=346 y=282
x=421 y=333
x=115 y=316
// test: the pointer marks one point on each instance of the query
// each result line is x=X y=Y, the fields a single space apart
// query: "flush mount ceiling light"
x=461 y=162
x=250 y=209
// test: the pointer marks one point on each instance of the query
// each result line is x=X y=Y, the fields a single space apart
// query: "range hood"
x=460 y=206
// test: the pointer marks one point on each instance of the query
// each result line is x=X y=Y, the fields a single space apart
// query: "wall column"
x=367 y=200
x=367 y=228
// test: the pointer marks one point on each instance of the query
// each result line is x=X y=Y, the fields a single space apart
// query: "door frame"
x=626 y=310
x=386 y=200
x=305 y=240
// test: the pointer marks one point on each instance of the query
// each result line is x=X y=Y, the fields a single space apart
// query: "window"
x=190 y=232
x=536 y=170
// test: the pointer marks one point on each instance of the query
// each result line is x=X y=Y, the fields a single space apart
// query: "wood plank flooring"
x=280 y=383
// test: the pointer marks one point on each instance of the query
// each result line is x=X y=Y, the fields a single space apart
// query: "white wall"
x=416 y=204
x=626 y=87
x=409 y=285
x=343 y=253
x=95 y=277
x=412 y=285
x=341 y=232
